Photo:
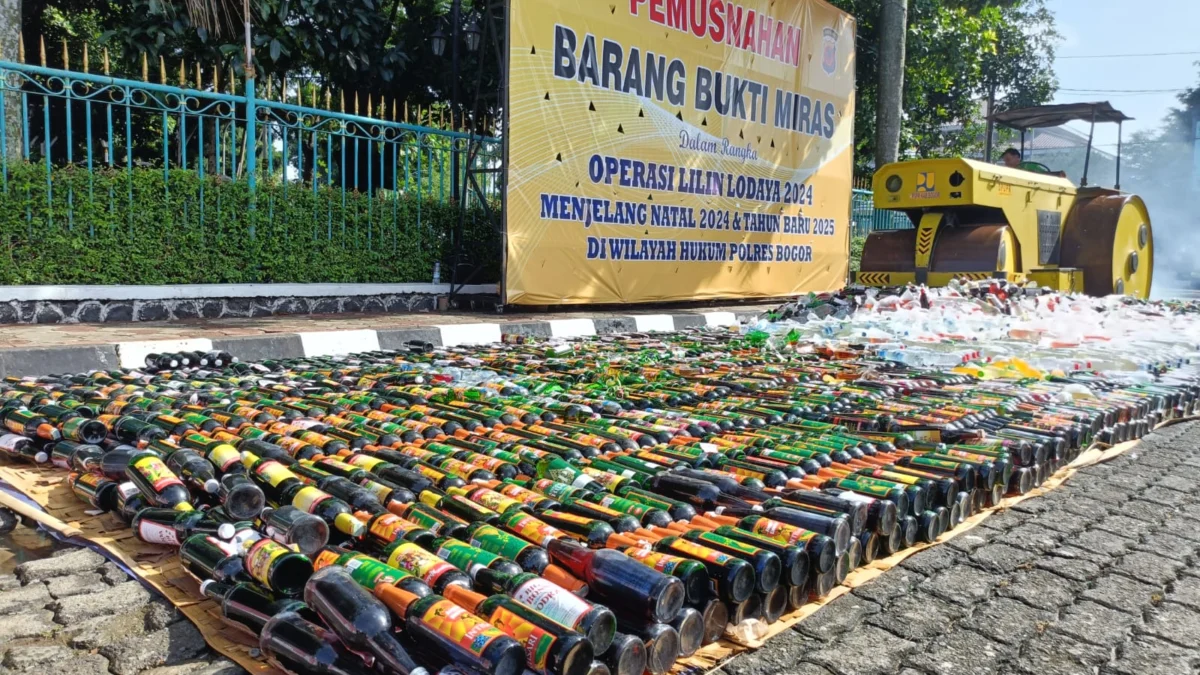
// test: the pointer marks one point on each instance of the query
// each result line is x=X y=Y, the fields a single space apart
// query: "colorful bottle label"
x=364 y=461
x=419 y=562
x=460 y=626
x=553 y=489
x=660 y=561
x=494 y=500
x=536 y=640
x=551 y=600
x=156 y=473
x=390 y=527
x=370 y=573
x=780 y=532
x=491 y=539
x=726 y=542
x=465 y=557
x=261 y=556
x=224 y=457
x=699 y=552
x=526 y=497
x=307 y=498
x=533 y=529
x=273 y=472
x=382 y=492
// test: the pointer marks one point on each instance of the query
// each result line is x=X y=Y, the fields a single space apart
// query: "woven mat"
x=159 y=567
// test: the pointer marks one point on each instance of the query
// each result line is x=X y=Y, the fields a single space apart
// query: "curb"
x=75 y=359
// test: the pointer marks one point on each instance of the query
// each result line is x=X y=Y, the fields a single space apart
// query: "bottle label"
x=430 y=473
x=726 y=542
x=307 y=498
x=390 y=527
x=485 y=462
x=424 y=519
x=364 y=461
x=533 y=529
x=157 y=533
x=553 y=489
x=569 y=518
x=781 y=532
x=495 y=501
x=463 y=628
x=325 y=558
x=261 y=556
x=381 y=491
x=465 y=557
x=273 y=472
x=370 y=573
x=527 y=497
x=624 y=505
x=491 y=539
x=292 y=445
x=660 y=561
x=536 y=641
x=700 y=552
x=224 y=456
x=156 y=473
x=457 y=467
x=419 y=562
x=552 y=600
x=608 y=480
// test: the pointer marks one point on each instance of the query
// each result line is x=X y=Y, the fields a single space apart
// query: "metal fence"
x=865 y=218
x=218 y=127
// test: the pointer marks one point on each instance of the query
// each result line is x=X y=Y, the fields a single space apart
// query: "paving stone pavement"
x=1098 y=577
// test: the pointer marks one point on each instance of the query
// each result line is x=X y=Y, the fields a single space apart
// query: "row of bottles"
x=611 y=504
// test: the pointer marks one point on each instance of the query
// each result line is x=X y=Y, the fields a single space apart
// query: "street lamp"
x=472 y=35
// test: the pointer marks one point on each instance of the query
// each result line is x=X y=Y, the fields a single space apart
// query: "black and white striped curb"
x=80 y=358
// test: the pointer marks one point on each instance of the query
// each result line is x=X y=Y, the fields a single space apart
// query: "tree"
x=957 y=52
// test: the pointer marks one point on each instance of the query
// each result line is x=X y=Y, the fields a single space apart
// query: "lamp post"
x=458 y=32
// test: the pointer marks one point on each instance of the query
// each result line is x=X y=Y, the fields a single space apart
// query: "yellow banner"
x=677 y=149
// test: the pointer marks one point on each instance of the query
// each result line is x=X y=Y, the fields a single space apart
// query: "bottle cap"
x=211 y=486
x=463 y=597
x=226 y=530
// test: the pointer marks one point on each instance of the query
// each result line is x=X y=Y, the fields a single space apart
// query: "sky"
x=1093 y=28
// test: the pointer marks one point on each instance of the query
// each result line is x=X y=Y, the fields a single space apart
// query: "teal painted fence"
x=865 y=218
x=84 y=121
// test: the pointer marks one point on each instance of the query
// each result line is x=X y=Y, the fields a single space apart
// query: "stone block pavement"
x=1098 y=577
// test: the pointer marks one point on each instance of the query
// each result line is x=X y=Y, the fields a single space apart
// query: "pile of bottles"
x=604 y=505
x=986 y=320
x=173 y=360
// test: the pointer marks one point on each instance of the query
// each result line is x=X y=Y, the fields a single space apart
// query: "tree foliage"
x=380 y=48
x=957 y=52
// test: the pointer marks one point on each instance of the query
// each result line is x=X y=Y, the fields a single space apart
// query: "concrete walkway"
x=1098 y=576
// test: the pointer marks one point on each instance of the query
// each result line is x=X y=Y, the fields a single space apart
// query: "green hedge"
x=87 y=229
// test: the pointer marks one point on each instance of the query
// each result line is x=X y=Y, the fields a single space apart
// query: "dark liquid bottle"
x=358 y=618
x=278 y=567
x=289 y=525
x=207 y=557
x=545 y=597
x=531 y=558
x=424 y=565
x=240 y=496
x=550 y=647
x=622 y=582
x=248 y=607
x=299 y=646
x=158 y=484
x=170 y=527
x=693 y=574
x=454 y=634
x=369 y=572
x=98 y=491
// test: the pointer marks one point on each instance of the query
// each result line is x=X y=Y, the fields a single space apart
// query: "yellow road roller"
x=976 y=220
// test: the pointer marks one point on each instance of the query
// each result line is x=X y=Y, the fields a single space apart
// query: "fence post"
x=252 y=151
